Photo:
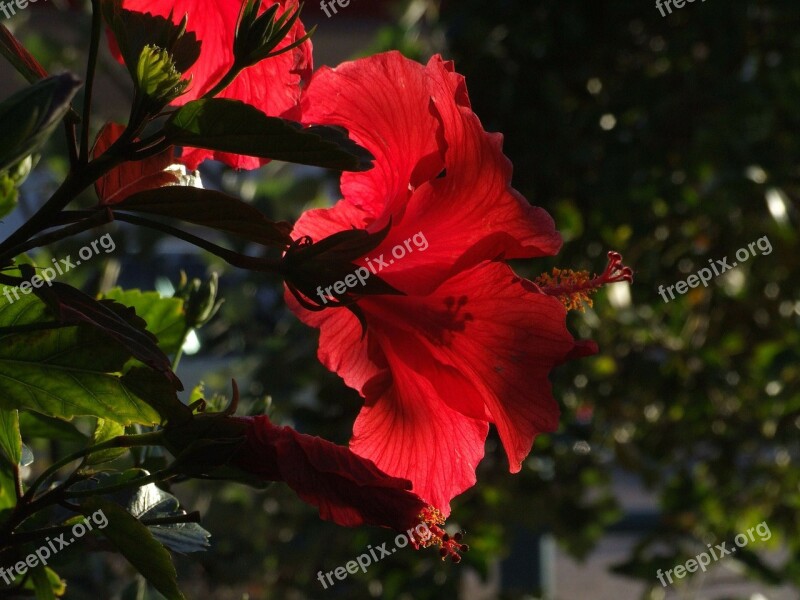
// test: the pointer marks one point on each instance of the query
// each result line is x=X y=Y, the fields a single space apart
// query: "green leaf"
x=117 y=321
x=138 y=546
x=27 y=311
x=29 y=117
x=210 y=208
x=164 y=316
x=10 y=437
x=35 y=425
x=104 y=431
x=67 y=371
x=233 y=126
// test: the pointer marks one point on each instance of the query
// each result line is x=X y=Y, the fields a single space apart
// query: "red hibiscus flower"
x=272 y=86
x=469 y=343
x=347 y=489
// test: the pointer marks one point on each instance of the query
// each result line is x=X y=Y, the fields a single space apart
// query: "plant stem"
x=97 y=24
x=16 y=539
x=72 y=142
x=18 y=483
x=161 y=475
x=95 y=220
x=192 y=517
x=179 y=354
x=73 y=185
x=228 y=78
x=153 y=438
x=242 y=261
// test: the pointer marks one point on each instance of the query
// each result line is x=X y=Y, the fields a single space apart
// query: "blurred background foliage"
x=671 y=140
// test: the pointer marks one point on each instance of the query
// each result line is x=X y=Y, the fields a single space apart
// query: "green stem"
x=34 y=535
x=154 y=438
x=192 y=517
x=31 y=327
x=232 y=73
x=18 y=483
x=97 y=25
x=17 y=539
x=161 y=475
x=179 y=354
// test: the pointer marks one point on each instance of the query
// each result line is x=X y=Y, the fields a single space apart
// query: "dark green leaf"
x=35 y=425
x=210 y=209
x=66 y=371
x=148 y=503
x=138 y=546
x=29 y=117
x=69 y=372
x=232 y=126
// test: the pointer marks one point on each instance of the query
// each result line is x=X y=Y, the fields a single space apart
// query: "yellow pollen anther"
x=574 y=288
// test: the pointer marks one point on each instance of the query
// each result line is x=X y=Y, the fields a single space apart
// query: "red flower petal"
x=417 y=122
x=484 y=345
x=478 y=349
x=348 y=489
x=134 y=176
x=384 y=103
x=272 y=86
x=410 y=432
x=500 y=341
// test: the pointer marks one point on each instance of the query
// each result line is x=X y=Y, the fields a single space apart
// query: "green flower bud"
x=157 y=77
